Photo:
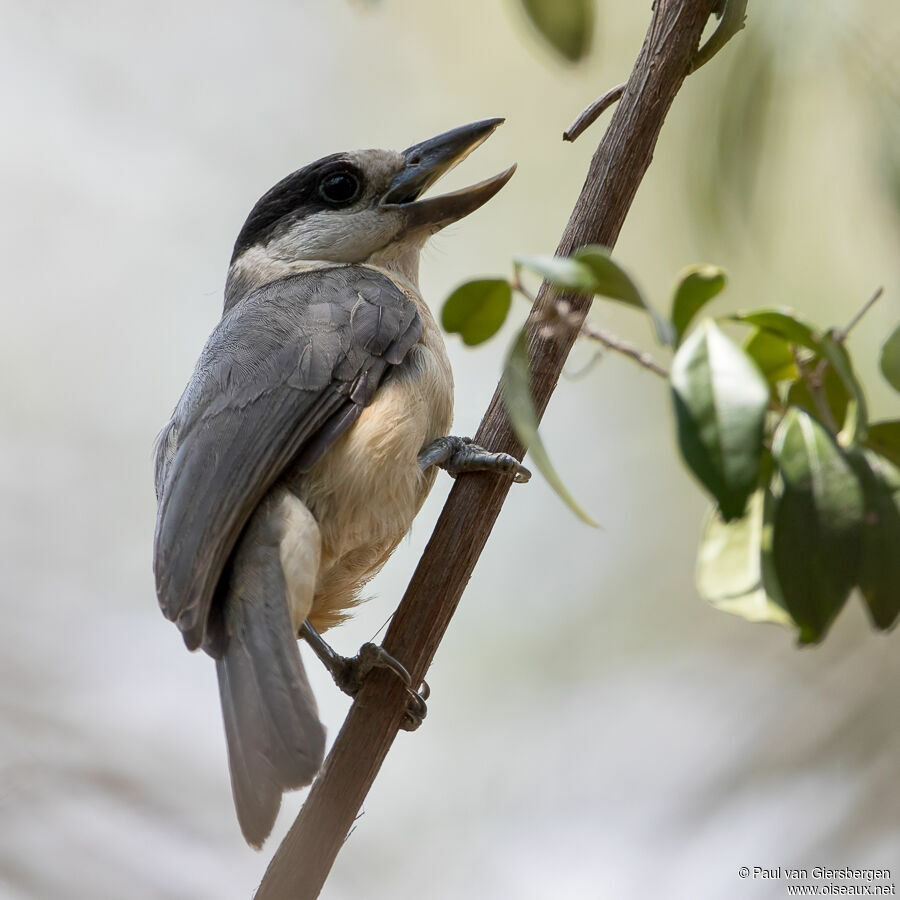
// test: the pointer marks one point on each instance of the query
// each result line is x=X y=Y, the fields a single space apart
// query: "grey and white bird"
x=306 y=441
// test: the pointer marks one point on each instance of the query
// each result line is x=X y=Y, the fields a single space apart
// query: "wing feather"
x=285 y=373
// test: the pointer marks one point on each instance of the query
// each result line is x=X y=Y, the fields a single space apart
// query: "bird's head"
x=357 y=207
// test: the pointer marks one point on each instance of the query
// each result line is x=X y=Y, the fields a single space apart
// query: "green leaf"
x=731 y=574
x=696 y=286
x=477 y=309
x=856 y=416
x=560 y=271
x=884 y=439
x=611 y=280
x=516 y=383
x=720 y=403
x=834 y=393
x=879 y=576
x=890 y=359
x=817 y=526
x=567 y=25
x=785 y=324
x=772 y=354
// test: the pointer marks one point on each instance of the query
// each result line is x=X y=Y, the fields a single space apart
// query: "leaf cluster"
x=566 y=25
x=815 y=511
x=805 y=490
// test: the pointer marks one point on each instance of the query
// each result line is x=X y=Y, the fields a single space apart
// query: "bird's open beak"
x=427 y=162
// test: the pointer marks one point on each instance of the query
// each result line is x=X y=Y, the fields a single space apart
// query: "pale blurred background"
x=595 y=730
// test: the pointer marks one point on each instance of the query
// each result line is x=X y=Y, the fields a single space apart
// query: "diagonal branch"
x=304 y=859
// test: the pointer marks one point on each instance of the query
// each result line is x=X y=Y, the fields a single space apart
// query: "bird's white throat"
x=259 y=265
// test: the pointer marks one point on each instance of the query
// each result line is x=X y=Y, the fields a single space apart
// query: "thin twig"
x=591 y=113
x=612 y=342
x=585 y=370
x=841 y=336
x=555 y=319
x=732 y=21
x=302 y=862
x=517 y=285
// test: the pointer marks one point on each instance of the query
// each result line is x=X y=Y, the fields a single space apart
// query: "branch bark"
x=302 y=862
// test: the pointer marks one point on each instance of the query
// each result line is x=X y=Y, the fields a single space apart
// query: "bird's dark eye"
x=339 y=189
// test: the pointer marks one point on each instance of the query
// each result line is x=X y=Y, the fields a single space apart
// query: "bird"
x=306 y=441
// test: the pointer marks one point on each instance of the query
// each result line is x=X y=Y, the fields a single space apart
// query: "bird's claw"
x=372 y=656
x=349 y=673
x=416 y=708
x=458 y=455
x=472 y=458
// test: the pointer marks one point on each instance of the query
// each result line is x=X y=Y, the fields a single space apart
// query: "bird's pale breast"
x=366 y=490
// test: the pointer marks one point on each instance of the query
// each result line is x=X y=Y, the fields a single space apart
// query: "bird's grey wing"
x=287 y=370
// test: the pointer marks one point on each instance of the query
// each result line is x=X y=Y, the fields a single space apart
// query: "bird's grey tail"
x=275 y=740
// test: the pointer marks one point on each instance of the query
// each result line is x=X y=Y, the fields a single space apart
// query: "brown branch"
x=304 y=859
x=560 y=317
x=615 y=343
x=591 y=113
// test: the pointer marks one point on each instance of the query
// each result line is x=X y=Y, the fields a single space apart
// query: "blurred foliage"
x=884 y=439
x=749 y=107
x=886 y=124
x=566 y=25
x=806 y=493
x=734 y=564
x=879 y=575
x=890 y=359
x=722 y=171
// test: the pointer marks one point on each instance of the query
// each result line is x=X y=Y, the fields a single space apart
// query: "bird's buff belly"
x=366 y=490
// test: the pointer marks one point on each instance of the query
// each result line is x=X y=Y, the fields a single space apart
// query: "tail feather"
x=275 y=740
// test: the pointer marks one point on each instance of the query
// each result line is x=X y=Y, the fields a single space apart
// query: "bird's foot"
x=349 y=672
x=460 y=454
